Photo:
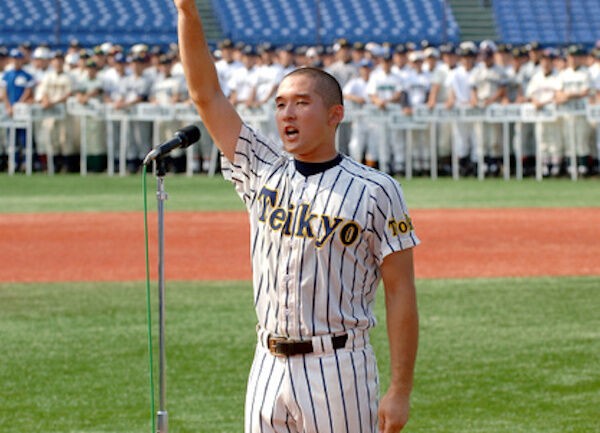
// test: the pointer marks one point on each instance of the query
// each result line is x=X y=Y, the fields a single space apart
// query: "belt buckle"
x=274 y=345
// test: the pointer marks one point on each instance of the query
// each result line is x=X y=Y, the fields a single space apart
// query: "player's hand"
x=183 y=4
x=393 y=413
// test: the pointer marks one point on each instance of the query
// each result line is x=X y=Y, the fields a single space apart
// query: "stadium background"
x=309 y=22
x=498 y=354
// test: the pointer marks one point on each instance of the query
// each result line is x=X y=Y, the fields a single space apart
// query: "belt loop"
x=263 y=336
x=317 y=342
x=327 y=344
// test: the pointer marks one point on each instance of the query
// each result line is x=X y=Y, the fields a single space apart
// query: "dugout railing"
x=393 y=120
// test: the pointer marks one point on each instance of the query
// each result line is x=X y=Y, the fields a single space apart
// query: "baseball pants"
x=327 y=391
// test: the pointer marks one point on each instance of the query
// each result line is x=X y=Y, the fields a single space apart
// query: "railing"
x=422 y=118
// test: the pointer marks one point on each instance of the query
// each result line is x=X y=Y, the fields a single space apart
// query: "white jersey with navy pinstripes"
x=316 y=242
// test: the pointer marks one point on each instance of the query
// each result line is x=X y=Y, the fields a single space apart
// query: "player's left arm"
x=403 y=333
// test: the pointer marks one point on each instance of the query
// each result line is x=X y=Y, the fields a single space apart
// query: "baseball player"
x=576 y=88
x=489 y=87
x=542 y=90
x=324 y=231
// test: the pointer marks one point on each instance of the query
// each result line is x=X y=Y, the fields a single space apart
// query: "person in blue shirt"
x=17 y=86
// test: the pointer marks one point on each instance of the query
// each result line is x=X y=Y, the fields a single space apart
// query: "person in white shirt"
x=227 y=64
x=542 y=90
x=489 y=87
x=576 y=90
x=438 y=94
x=417 y=89
x=361 y=147
x=54 y=90
x=459 y=83
x=385 y=92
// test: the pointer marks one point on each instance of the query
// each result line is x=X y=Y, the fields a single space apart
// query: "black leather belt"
x=284 y=347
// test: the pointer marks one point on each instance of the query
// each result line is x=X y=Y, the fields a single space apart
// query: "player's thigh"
x=338 y=393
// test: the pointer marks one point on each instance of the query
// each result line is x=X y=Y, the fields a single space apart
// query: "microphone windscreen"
x=189 y=134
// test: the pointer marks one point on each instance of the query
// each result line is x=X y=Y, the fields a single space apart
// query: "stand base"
x=163 y=422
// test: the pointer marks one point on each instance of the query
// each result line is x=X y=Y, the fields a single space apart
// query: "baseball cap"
x=120 y=58
x=365 y=63
x=550 y=53
x=41 y=53
x=16 y=53
x=358 y=46
x=341 y=43
x=448 y=48
x=488 y=46
x=287 y=47
x=225 y=43
x=249 y=50
x=416 y=56
x=400 y=48
x=431 y=52
x=576 y=50
x=91 y=64
x=467 y=49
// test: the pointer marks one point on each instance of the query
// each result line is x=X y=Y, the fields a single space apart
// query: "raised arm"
x=217 y=113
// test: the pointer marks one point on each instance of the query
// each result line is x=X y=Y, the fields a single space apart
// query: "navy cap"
x=576 y=50
x=249 y=50
x=120 y=58
x=287 y=47
x=365 y=63
x=16 y=53
x=226 y=43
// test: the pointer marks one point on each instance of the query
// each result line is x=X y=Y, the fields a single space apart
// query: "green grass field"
x=41 y=193
x=496 y=355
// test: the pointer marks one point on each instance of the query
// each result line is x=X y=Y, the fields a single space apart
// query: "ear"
x=336 y=115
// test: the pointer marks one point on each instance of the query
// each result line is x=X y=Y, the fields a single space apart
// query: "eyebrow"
x=294 y=96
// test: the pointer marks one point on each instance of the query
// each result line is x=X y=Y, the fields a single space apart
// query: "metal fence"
x=423 y=118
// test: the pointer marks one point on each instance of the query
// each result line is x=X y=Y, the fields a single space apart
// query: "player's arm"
x=403 y=334
x=217 y=113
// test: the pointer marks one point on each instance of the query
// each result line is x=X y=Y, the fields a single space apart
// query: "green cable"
x=148 y=303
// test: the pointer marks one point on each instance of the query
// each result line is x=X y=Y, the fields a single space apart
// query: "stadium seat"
x=91 y=22
x=551 y=22
x=300 y=22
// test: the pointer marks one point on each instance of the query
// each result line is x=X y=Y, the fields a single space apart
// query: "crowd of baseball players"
x=375 y=78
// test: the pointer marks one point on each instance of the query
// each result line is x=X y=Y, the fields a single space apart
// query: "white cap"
x=41 y=53
x=414 y=56
x=488 y=45
x=431 y=52
x=72 y=58
x=106 y=47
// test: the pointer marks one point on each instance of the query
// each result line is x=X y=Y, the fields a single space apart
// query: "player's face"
x=304 y=123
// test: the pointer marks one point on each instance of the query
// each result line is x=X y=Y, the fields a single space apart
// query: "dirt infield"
x=215 y=246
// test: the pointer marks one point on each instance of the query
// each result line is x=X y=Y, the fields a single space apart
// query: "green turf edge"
x=68 y=193
x=496 y=355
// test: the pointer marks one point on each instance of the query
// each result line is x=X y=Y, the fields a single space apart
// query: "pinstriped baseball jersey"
x=316 y=241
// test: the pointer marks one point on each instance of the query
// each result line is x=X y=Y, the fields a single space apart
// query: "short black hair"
x=326 y=85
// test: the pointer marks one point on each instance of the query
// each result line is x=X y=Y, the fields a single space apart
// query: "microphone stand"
x=161 y=195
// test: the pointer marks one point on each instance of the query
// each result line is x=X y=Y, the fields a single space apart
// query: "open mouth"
x=291 y=132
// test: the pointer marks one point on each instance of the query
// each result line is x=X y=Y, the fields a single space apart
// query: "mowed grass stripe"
x=497 y=355
x=41 y=193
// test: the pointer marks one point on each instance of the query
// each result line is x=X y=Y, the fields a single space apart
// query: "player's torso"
x=310 y=247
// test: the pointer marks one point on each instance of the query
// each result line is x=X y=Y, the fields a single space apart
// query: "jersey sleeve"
x=254 y=156
x=392 y=225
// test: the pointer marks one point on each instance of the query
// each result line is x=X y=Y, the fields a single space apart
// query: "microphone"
x=183 y=138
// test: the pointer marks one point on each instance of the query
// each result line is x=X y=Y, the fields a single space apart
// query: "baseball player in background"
x=324 y=231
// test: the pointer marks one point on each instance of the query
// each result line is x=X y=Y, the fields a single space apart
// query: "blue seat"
x=356 y=20
x=91 y=22
x=546 y=20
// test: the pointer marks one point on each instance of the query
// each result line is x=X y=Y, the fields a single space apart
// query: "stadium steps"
x=212 y=27
x=475 y=19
